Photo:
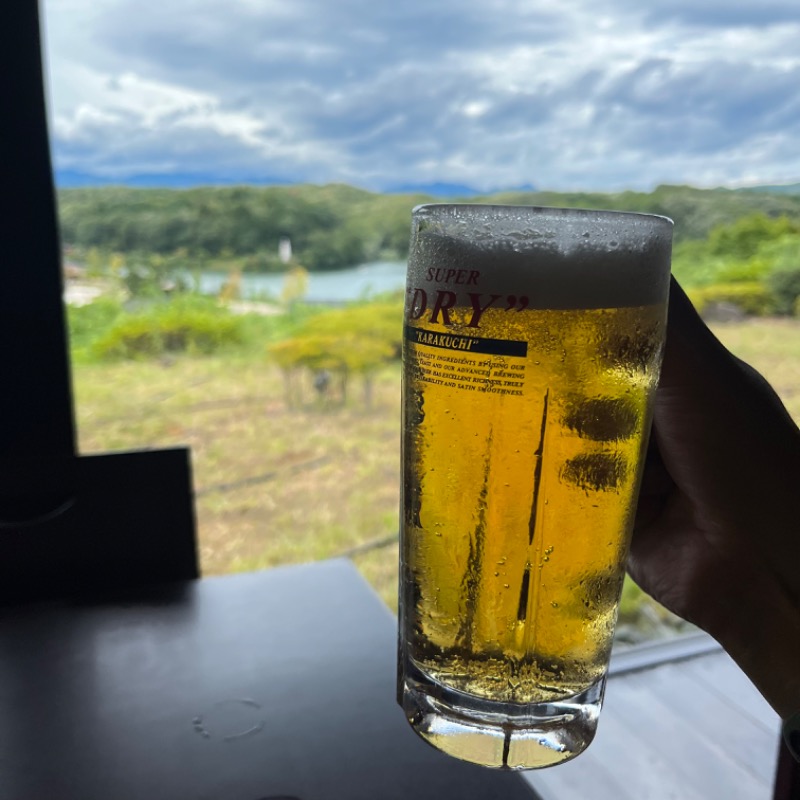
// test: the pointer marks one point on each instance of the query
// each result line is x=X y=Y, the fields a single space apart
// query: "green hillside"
x=338 y=226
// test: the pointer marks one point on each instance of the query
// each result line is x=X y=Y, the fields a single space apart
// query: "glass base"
x=501 y=735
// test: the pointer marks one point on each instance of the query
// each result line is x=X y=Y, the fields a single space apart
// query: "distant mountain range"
x=451 y=189
x=70 y=179
x=783 y=188
x=434 y=189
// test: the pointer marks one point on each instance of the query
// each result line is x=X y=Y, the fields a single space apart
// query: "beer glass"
x=532 y=344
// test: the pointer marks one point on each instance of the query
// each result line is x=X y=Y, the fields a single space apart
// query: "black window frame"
x=69 y=524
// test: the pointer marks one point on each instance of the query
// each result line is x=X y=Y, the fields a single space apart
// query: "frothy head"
x=559 y=258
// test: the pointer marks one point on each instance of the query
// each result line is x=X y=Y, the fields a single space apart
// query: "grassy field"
x=274 y=485
x=278 y=485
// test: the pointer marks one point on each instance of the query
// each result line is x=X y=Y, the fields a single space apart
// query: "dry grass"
x=773 y=348
x=329 y=474
x=274 y=485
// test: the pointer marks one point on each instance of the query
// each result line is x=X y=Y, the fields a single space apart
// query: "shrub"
x=376 y=321
x=749 y=297
x=784 y=285
x=693 y=264
x=318 y=352
x=193 y=326
x=356 y=340
x=743 y=239
x=91 y=320
x=753 y=270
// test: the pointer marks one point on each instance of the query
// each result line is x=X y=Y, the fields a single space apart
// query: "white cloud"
x=380 y=94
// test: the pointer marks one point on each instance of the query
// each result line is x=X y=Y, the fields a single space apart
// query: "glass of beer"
x=532 y=344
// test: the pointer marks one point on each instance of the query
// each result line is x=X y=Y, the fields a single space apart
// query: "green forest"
x=737 y=250
x=336 y=226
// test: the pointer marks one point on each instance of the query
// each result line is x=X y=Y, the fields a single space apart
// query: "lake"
x=355 y=283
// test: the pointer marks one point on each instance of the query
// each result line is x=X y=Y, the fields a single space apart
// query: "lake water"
x=359 y=282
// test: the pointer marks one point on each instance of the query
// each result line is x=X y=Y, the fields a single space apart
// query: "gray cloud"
x=491 y=94
x=701 y=108
x=718 y=13
x=312 y=40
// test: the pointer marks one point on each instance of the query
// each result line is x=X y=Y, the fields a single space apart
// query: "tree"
x=357 y=340
x=744 y=237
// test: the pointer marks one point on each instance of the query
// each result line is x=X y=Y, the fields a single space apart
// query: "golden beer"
x=526 y=415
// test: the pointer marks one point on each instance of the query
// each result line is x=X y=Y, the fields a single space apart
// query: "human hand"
x=717 y=536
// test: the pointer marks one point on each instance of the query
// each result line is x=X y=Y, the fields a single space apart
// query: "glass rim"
x=548 y=211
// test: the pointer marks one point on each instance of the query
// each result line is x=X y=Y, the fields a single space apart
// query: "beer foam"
x=557 y=258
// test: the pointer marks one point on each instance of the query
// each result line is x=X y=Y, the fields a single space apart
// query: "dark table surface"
x=244 y=687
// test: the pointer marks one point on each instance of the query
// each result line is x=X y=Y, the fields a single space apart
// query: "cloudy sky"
x=388 y=94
